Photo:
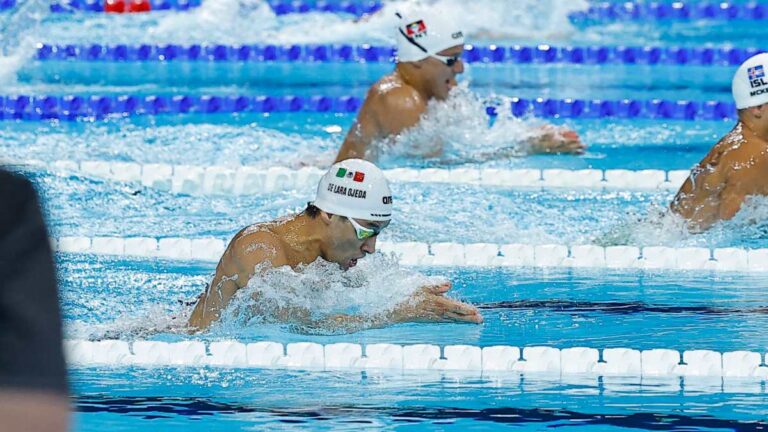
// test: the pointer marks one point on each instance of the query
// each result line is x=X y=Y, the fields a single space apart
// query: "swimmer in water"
x=737 y=166
x=353 y=205
x=429 y=50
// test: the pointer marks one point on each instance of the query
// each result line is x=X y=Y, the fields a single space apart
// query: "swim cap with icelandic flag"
x=357 y=189
x=750 y=84
x=423 y=33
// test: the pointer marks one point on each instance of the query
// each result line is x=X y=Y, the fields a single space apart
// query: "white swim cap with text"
x=750 y=85
x=421 y=34
x=357 y=189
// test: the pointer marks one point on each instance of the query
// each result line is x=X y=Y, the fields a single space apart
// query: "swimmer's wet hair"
x=311 y=211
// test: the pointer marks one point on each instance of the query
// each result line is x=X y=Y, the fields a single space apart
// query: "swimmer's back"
x=390 y=107
x=249 y=248
x=254 y=245
x=390 y=97
x=735 y=168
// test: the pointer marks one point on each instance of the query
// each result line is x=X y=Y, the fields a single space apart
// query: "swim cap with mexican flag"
x=357 y=189
x=423 y=33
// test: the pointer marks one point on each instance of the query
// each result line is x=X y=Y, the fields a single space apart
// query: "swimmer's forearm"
x=200 y=320
x=347 y=323
x=210 y=304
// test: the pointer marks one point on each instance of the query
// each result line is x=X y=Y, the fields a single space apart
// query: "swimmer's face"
x=344 y=247
x=762 y=113
x=758 y=114
x=441 y=76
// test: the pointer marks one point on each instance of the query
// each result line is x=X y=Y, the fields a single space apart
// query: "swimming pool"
x=599 y=312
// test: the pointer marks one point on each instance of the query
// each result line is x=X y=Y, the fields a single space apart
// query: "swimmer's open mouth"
x=352 y=263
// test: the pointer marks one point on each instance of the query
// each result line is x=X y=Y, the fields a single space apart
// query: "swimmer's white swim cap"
x=750 y=84
x=423 y=33
x=355 y=188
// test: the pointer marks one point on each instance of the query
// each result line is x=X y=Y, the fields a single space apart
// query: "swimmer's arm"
x=360 y=135
x=426 y=305
x=401 y=109
x=700 y=198
x=731 y=200
x=380 y=117
x=345 y=323
x=341 y=324
x=235 y=269
x=555 y=140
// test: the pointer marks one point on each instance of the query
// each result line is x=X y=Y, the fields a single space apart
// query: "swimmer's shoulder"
x=392 y=93
x=257 y=243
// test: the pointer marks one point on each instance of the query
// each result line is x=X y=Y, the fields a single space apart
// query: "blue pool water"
x=108 y=297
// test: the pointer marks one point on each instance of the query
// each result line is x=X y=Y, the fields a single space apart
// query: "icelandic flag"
x=756 y=72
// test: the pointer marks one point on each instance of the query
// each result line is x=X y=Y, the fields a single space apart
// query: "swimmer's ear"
x=415 y=65
x=326 y=217
x=758 y=111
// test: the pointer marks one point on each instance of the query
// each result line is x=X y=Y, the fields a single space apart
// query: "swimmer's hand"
x=556 y=140
x=430 y=305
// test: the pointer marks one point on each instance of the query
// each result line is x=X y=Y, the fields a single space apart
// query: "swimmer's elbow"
x=347 y=153
x=730 y=206
x=198 y=320
x=353 y=148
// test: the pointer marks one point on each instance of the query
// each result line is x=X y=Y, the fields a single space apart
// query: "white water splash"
x=135 y=325
x=502 y=19
x=322 y=289
x=192 y=144
x=660 y=227
x=253 y=21
x=493 y=19
x=457 y=131
x=19 y=32
x=224 y=21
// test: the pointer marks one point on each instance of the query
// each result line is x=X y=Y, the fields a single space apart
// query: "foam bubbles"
x=190 y=144
x=309 y=297
x=253 y=21
x=660 y=227
x=19 y=31
x=457 y=131
x=144 y=324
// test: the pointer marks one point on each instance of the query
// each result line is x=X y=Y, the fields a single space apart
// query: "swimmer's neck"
x=303 y=237
x=409 y=74
x=751 y=127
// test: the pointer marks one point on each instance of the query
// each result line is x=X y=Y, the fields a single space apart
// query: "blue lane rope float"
x=67 y=6
x=357 y=8
x=516 y=54
x=676 y=11
x=73 y=107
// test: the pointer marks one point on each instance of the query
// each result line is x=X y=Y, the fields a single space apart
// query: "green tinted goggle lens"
x=362 y=232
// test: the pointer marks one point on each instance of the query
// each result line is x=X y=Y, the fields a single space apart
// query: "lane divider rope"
x=69 y=6
x=249 y=180
x=420 y=357
x=673 y=11
x=456 y=254
x=516 y=54
x=280 y=7
x=74 y=107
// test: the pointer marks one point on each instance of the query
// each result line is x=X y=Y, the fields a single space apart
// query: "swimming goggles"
x=364 y=233
x=448 y=60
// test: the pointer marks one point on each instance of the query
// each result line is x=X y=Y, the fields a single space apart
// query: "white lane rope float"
x=420 y=357
x=245 y=180
x=457 y=254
